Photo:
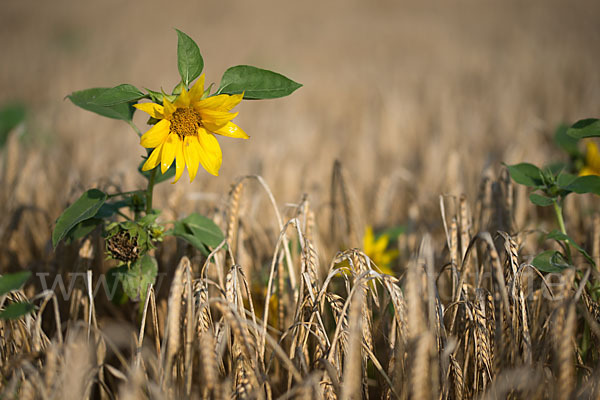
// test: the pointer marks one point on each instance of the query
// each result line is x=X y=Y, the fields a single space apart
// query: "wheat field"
x=408 y=110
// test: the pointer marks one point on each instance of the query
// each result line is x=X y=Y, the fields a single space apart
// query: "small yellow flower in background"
x=377 y=251
x=186 y=131
x=592 y=160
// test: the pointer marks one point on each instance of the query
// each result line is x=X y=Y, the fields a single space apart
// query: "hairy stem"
x=150 y=190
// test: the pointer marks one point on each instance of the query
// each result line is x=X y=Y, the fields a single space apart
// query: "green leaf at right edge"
x=566 y=142
x=10 y=282
x=189 y=59
x=549 y=261
x=84 y=208
x=256 y=83
x=540 y=200
x=87 y=99
x=585 y=184
x=16 y=310
x=585 y=128
x=526 y=174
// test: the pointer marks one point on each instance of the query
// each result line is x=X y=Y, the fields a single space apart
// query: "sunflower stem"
x=135 y=128
x=149 y=190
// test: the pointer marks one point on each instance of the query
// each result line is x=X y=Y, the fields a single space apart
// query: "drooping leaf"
x=540 y=200
x=550 y=261
x=16 y=310
x=199 y=231
x=138 y=276
x=87 y=98
x=82 y=229
x=189 y=59
x=84 y=208
x=585 y=128
x=10 y=117
x=14 y=281
x=585 y=184
x=526 y=174
x=559 y=236
x=566 y=142
x=565 y=179
x=256 y=83
x=124 y=93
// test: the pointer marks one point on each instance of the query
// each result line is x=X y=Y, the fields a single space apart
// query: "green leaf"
x=135 y=279
x=10 y=117
x=256 y=83
x=160 y=177
x=585 y=128
x=10 y=282
x=82 y=229
x=199 y=231
x=550 y=261
x=189 y=59
x=585 y=184
x=87 y=98
x=124 y=93
x=84 y=208
x=16 y=310
x=393 y=232
x=559 y=236
x=526 y=174
x=540 y=200
x=565 y=179
x=566 y=142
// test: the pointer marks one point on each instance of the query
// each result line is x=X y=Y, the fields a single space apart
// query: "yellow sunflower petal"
x=197 y=90
x=381 y=244
x=368 y=240
x=169 y=108
x=587 y=171
x=179 y=160
x=190 y=153
x=168 y=152
x=210 y=152
x=183 y=100
x=232 y=130
x=156 y=135
x=592 y=157
x=214 y=120
x=153 y=109
x=222 y=102
x=153 y=160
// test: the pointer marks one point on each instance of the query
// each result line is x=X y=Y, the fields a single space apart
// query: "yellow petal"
x=381 y=244
x=169 y=108
x=183 y=100
x=153 y=109
x=156 y=135
x=209 y=151
x=168 y=152
x=179 y=161
x=222 y=102
x=214 y=120
x=592 y=157
x=197 y=90
x=190 y=153
x=153 y=160
x=368 y=240
x=232 y=130
x=587 y=171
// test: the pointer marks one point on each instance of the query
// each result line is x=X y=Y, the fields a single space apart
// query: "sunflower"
x=592 y=160
x=185 y=132
x=377 y=251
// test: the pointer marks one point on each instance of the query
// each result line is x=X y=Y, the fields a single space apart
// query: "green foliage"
x=134 y=279
x=566 y=142
x=87 y=99
x=10 y=117
x=84 y=208
x=198 y=230
x=585 y=128
x=540 y=200
x=124 y=93
x=189 y=59
x=16 y=310
x=14 y=281
x=256 y=83
x=585 y=184
x=159 y=176
x=526 y=174
x=550 y=261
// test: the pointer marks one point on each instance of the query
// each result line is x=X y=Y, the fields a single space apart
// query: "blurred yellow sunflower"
x=377 y=251
x=186 y=130
x=592 y=160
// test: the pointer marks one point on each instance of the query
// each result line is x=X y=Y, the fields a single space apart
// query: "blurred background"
x=415 y=98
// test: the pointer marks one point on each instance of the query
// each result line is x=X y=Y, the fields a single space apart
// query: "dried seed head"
x=123 y=247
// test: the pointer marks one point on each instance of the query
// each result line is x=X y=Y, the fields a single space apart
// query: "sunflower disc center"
x=185 y=121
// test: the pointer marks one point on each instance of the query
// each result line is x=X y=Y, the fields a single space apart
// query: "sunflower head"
x=186 y=129
x=592 y=160
x=376 y=250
